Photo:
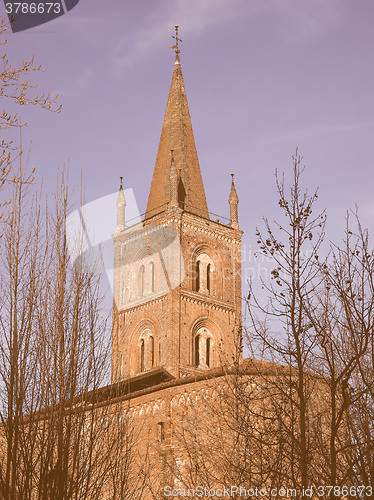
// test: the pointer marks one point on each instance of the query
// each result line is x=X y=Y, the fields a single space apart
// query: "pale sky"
x=262 y=78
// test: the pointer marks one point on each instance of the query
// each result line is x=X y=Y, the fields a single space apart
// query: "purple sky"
x=262 y=78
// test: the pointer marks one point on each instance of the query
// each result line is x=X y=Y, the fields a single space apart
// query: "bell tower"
x=177 y=275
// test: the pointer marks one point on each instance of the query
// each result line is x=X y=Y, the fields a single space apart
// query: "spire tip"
x=177 y=40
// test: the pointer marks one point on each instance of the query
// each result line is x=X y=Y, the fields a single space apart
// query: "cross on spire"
x=177 y=40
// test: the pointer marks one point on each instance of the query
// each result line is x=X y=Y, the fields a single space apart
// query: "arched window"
x=203 y=348
x=203 y=278
x=146 y=345
x=142 y=353
x=152 y=277
x=197 y=275
x=152 y=351
x=197 y=350
x=207 y=353
x=142 y=281
x=208 y=276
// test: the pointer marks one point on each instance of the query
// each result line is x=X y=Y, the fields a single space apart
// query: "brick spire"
x=177 y=135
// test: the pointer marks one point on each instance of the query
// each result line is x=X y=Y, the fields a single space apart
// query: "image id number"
x=337 y=491
x=33 y=8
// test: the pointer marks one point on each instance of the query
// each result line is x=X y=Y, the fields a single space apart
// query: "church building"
x=183 y=409
x=177 y=306
x=177 y=275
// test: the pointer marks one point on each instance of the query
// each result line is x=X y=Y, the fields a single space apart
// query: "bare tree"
x=16 y=87
x=61 y=438
x=225 y=432
x=294 y=245
x=343 y=318
x=261 y=428
x=302 y=415
x=323 y=309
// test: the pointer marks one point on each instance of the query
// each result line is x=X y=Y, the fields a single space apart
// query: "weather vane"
x=177 y=40
x=121 y=178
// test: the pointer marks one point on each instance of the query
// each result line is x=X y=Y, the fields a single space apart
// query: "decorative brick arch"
x=206 y=270
x=140 y=269
x=144 y=342
x=205 y=339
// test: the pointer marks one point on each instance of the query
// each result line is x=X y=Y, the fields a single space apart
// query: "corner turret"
x=121 y=205
x=233 y=202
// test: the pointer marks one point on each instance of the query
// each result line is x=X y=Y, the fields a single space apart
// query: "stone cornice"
x=193 y=297
x=207 y=301
x=143 y=305
x=199 y=224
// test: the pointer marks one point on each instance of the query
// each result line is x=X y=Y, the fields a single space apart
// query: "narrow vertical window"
x=208 y=277
x=197 y=350
x=161 y=432
x=152 y=350
x=197 y=275
x=152 y=277
x=142 y=280
x=159 y=353
x=142 y=355
x=207 y=360
x=181 y=194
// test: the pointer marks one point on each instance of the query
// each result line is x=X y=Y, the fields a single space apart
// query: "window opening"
x=197 y=350
x=181 y=194
x=161 y=432
x=152 y=276
x=197 y=275
x=142 y=355
x=208 y=351
x=152 y=348
x=208 y=276
x=142 y=280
